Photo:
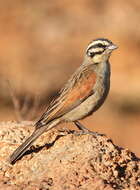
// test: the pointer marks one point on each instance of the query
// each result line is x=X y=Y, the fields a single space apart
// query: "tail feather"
x=18 y=153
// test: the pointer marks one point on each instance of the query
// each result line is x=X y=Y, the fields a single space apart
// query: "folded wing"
x=78 y=88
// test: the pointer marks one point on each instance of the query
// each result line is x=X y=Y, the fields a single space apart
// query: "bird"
x=83 y=94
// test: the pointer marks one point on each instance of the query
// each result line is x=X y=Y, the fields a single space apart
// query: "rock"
x=63 y=160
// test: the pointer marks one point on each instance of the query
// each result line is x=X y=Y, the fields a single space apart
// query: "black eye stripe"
x=92 y=54
x=93 y=50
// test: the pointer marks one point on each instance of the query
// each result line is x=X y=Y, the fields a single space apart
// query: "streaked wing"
x=78 y=88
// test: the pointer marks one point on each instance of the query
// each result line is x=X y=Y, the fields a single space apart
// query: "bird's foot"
x=64 y=131
x=83 y=130
x=78 y=133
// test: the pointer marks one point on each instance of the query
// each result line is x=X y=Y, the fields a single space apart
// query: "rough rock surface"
x=62 y=160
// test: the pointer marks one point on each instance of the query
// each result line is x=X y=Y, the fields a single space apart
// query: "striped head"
x=99 y=50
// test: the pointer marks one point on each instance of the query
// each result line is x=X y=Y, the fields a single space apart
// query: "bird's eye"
x=90 y=54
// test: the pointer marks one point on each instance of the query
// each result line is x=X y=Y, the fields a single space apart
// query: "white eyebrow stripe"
x=96 y=50
x=97 y=42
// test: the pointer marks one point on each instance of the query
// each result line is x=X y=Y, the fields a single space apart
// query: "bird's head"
x=99 y=50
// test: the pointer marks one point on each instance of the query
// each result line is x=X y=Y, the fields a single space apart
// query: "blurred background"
x=43 y=42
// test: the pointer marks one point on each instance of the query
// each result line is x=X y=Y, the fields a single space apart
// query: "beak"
x=112 y=47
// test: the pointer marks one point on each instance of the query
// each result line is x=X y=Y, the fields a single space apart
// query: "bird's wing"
x=78 y=88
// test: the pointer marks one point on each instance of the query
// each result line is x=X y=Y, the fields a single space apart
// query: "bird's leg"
x=80 y=126
x=83 y=129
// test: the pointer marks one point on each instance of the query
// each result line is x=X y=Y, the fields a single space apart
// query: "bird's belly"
x=93 y=102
